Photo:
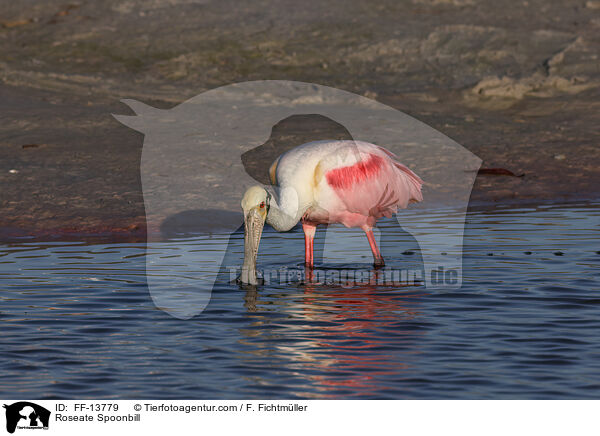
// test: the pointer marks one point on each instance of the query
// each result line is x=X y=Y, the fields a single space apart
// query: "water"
x=78 y=322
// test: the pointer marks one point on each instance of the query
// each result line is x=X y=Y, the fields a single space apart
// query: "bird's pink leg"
x=309 y=237
x=378 y=259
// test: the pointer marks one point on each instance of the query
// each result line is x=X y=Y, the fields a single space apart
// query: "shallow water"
x=78 y=321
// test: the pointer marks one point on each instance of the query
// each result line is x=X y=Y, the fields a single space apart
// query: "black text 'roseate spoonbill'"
x=349 y=182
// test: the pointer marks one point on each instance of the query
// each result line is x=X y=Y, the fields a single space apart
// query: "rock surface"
x=516 y=83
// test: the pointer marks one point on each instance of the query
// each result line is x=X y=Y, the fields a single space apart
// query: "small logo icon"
x=26 y=415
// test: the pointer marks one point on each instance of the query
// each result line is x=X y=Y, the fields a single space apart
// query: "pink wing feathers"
x=375 y=185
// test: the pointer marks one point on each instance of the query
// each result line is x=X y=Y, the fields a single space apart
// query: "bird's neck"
x=286 y=213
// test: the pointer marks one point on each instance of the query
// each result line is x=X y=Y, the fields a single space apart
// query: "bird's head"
x=256 y=199
x=255 y=204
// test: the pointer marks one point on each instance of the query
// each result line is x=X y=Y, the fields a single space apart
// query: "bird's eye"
x=262 y=205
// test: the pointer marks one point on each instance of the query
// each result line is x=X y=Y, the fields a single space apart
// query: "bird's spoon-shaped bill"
x=254 y=222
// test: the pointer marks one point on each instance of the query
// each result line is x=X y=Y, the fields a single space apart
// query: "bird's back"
x=347 y=181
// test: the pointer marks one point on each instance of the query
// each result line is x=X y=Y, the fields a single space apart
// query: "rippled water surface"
x=78 y=321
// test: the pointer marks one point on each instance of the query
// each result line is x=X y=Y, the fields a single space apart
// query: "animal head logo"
x=24 y=414
x=200 y=157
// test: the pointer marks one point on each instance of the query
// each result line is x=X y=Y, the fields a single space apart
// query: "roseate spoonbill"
x=349 y=182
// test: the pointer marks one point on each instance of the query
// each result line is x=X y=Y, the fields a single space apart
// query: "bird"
x=348 y=182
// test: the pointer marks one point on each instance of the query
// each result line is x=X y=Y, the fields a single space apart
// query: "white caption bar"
x=297 y=417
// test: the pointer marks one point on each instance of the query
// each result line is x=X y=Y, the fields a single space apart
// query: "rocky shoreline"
x=516 y=83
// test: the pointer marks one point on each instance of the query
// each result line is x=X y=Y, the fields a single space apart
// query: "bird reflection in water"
x=350 y=337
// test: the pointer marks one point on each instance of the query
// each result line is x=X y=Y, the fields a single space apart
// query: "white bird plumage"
x=349 y=182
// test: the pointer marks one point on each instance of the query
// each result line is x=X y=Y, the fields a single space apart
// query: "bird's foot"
x=379 y=263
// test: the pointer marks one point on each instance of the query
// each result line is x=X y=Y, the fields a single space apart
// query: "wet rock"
x=515 y=85
x=498 y=172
